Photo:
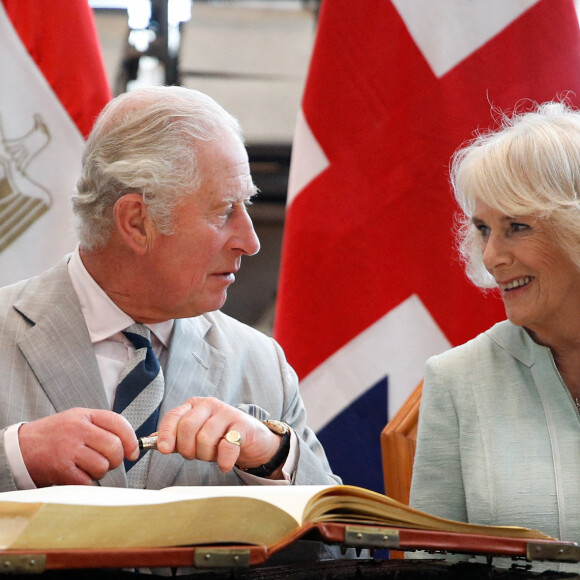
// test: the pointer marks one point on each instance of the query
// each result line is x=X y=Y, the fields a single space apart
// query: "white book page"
x=290 y=498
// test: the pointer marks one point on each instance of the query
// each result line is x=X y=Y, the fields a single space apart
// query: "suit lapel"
x=58 y=348
x=194 y=369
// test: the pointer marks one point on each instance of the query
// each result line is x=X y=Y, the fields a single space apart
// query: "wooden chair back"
x=398 y=440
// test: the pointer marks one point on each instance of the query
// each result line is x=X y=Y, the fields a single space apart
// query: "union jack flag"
x=370 y=284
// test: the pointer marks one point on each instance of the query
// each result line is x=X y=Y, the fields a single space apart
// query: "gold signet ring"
x=234 y=437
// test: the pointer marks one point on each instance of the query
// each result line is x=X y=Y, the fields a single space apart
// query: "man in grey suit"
x=161 y=206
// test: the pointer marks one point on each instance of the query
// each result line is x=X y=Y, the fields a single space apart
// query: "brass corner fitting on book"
x=553 y=552
x=22 y=563
x=221 y=558
x=370 y=537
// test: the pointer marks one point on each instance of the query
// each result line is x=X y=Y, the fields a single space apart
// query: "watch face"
x=277 y=426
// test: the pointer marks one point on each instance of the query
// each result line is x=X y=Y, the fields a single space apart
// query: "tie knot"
x=139 y=335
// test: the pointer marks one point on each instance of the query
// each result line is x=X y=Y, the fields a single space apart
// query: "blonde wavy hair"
x=529 y=166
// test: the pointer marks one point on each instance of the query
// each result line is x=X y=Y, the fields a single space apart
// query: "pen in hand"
x=149 y=442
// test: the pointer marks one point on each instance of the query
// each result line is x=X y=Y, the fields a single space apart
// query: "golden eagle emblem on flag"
x=22 y=199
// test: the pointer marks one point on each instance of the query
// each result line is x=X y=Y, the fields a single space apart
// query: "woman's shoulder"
x=501 y=351
x=504 y=339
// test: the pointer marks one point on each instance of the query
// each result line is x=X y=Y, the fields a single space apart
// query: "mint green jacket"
x=499 y=437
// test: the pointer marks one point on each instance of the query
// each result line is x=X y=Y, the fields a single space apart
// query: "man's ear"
x=133 y=224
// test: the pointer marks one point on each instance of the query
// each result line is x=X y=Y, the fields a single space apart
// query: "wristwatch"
x=266 y=469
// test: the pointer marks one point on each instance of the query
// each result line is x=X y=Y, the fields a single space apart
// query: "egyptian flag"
x=370 y=283
x=52 y=87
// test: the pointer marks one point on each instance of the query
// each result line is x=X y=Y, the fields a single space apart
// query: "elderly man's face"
x=192 y=268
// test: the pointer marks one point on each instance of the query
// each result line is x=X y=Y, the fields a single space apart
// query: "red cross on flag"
x=53 y=87
x=370 y=284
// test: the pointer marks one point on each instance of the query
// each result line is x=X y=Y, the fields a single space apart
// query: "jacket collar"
x=517 y=342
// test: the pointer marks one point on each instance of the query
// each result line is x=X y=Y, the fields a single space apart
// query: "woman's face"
x=539 y=284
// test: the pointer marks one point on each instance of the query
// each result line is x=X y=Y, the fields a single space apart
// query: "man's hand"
x=76 y=447
x=196 y=430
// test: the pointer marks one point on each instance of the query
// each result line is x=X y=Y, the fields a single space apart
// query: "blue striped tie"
x=138 y=397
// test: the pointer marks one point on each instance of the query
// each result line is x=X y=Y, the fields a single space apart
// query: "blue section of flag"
x=352 y=440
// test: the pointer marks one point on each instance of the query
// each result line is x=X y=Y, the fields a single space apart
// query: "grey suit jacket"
x=47 y=365
x=499 y=437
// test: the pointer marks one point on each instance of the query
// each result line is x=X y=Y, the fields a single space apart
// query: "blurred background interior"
x=252 y=56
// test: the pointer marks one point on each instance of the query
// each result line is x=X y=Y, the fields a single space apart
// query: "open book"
x=104 y=517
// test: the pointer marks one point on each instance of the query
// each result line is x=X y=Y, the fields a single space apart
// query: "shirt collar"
x=103 y=317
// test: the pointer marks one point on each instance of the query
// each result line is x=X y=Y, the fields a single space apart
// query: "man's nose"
x=248 y=241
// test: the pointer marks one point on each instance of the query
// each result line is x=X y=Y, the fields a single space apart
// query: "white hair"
x=529 y=166
x=145 y=141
